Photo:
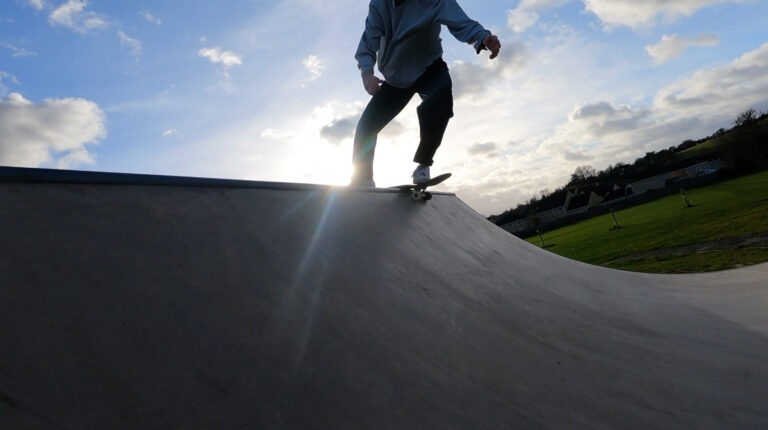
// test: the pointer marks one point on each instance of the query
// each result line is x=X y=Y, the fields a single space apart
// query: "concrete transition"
x=131 y=301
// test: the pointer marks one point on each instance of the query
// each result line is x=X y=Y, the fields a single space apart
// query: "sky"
x=269 y=90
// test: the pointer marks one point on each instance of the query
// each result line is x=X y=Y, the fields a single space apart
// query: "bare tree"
x=748 y=117
x=581 y=174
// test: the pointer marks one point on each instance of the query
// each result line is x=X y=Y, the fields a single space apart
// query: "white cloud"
x=340 y=129
x=575 y=156
x=315 y=66
x=595 y=122
x=133 y=45
x=525 y=14
x=170 y=132
x=473 y=80
x=691 y=107
x=634 y=13
x=217 y=56
x=343 y=128
x=519 y=20
x=227 y=59
x=73 y=158
x=672 y=46
x=53 y=131
x=602 y=118
x=10 y=77
x=541 y=4
x=73 y=14
x=151 y=18
x=724 y=90
x=272 y=133
x=37 y=4
x=17 y=51
x=489 y=149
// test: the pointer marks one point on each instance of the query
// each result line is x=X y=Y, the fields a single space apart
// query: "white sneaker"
x=421 y=174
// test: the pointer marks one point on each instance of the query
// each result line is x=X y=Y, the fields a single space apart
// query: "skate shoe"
x=421 y=174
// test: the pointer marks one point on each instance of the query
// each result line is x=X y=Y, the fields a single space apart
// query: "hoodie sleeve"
x=460 y=25
x=370 y=41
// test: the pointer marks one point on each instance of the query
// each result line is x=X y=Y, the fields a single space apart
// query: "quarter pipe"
x=134 y=301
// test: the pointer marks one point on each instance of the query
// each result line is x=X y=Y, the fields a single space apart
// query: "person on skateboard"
x=404 y=37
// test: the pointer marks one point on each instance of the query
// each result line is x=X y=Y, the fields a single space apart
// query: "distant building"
x=653 y=183
x=660 y=181
x=701 y=169
x=516 y=225
x=553 y=207
x=583 y=202
x=548 y=209
x=518 y=220
x=617 y=193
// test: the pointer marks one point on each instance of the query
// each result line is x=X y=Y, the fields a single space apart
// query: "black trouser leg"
x=383 y=108
x=436 y=109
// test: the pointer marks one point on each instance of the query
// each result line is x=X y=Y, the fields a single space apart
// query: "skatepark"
x=139 y=301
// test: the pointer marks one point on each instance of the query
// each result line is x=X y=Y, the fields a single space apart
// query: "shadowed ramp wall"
x=245 y=305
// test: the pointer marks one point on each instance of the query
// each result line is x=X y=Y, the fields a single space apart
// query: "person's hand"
x=371 y=83
x=492 y=43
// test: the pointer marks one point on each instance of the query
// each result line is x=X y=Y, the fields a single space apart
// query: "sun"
x=330 y=164
x=324 y=163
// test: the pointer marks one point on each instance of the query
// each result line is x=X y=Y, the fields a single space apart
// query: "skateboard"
x=419 y=191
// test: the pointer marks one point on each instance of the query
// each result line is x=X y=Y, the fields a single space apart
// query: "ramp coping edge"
x=37 y=175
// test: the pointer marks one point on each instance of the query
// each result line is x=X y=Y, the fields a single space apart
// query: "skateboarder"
x=404 y=36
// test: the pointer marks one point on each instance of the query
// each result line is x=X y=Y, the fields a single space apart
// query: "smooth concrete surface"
x=193 y=306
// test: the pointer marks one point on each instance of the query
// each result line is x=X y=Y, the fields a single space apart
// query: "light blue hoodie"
x=407 y=38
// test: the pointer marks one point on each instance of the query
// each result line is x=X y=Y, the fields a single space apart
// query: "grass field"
x=722 y=213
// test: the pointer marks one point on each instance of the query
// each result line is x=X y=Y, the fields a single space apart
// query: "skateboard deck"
x=419 y=191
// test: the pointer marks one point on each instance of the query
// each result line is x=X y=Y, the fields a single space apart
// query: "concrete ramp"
x=133 y=301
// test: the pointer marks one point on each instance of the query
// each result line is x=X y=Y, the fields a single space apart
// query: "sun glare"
x=319 y=161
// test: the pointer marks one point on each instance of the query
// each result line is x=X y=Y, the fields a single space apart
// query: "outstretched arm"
x=465 y=29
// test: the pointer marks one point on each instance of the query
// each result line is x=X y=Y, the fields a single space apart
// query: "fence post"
x=616 y=225
x=685 y=198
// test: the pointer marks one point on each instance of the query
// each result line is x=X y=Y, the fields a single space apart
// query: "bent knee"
x=441 y=107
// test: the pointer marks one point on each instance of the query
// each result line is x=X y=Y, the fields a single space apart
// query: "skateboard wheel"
x=428 y=196
x=416 y=195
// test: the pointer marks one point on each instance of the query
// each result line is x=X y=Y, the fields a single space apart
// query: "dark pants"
x=436 y=108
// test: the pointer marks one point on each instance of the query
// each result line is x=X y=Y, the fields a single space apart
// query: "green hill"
x=719 y=144
x=704 y=149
